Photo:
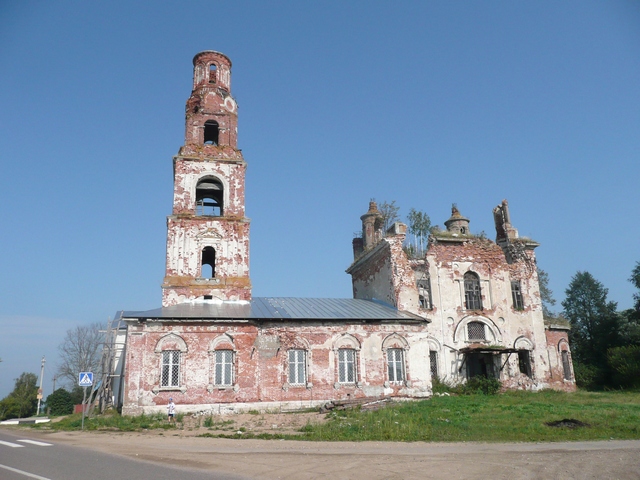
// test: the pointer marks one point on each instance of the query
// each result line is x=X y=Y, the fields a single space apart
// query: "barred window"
x=433 y=362
x=566 y=367
x=475 y=331
x=472 y=292
x=516 y=295
x=424 y=293
x=223 y=368
x=170 y=375
x=346 y=365
x=297 y=367
x=395 y=361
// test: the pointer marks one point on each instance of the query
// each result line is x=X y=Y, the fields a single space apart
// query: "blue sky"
x=424 y=103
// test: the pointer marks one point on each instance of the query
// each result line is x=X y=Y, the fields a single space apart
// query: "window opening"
x=297 y=367
x=213 y=70
x=395 y=359
x=516 y=295
x=208 y=297
x=472 y=292
x=170 y=376
x=208 y=262
x=211 y=132
x=424 y=293
x=524 y=362
x=476 y=331
x=346 y=365
x=209 y=194
x=433 y=363
x=566 y=367
x=480 y=365
x=223 y=368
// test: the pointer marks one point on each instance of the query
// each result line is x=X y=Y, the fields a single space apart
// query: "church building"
x=214 y=347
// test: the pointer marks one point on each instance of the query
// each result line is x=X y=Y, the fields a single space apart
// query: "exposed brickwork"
x=384 y=272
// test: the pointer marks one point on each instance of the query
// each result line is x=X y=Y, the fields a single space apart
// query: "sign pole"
x=84 y=407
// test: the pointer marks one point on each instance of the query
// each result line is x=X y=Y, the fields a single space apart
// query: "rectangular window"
x=516 y=295
x=424 y=293
x=170 y=376
x=433 y=361
x=524 y=362
x=566 y=367
x=395 y=359
x=346 y=365
x=297 y=367
x=223 y=368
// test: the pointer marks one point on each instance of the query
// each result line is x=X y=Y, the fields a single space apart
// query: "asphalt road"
x=22 y=457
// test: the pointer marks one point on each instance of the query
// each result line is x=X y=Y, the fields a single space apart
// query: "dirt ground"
x=286 y=459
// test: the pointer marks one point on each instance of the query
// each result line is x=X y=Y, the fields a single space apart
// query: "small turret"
x=457 y=223
x=371 y=226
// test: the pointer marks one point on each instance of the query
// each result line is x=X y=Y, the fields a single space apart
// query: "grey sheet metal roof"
x=278 y=308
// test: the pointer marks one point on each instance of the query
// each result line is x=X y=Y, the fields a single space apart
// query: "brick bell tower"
x=208 y=233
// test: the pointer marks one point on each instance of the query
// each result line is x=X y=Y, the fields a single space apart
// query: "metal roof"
x=279 y=308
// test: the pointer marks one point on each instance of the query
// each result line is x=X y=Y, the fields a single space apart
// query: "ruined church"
x=466 y=306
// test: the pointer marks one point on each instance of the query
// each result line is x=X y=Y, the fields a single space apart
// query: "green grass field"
x=510 y=417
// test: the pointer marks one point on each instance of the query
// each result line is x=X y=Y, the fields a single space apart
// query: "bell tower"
x=207 y=232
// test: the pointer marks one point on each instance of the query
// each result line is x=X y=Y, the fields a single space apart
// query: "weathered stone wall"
x=261 y=362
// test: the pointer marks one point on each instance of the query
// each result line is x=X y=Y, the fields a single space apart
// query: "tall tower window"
x=472 y=293
x=209 y=192
x=211 y=132
x=213 y=73
x=208 y=262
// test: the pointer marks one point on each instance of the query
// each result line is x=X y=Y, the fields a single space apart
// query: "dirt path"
x=279 y=459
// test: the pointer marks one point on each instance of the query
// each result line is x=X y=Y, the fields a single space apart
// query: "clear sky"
x=425 y=103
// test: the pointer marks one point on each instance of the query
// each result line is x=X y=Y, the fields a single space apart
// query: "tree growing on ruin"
x=81 y=351
x=546 y=295
x=390 y=214
x=419 y=228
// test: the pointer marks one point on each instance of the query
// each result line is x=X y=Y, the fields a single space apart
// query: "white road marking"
x=35 y=442
x=12 y=445
x=26 y=474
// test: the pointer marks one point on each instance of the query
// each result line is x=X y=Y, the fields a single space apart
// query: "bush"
x=587 y=376
x=481 y=385
x=60 y=402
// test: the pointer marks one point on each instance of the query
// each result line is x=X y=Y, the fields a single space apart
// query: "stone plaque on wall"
x=267 y=345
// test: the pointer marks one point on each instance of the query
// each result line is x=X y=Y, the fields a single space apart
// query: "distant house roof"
x=279 y=308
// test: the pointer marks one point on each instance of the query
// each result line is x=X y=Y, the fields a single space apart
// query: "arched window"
x=208 y=263
x=472 y=293
x=209 y=193
x=211 y=132
x=213 y=73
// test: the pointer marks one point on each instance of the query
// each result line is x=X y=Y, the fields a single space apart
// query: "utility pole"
x=40 y=389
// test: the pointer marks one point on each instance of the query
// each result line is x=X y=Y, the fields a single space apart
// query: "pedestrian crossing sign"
x=85 y=379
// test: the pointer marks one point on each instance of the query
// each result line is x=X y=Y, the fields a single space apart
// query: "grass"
x=510 y=417
x=112 y=421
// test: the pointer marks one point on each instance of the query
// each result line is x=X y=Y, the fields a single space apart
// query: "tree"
x=594 y=324
x=389 y=213
x=81 y=351
x=419 y=227
x=60 y=402
x=635 y=279
x=546 y=295
x=23 y=400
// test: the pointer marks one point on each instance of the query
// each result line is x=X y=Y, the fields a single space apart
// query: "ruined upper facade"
x=482 y=299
